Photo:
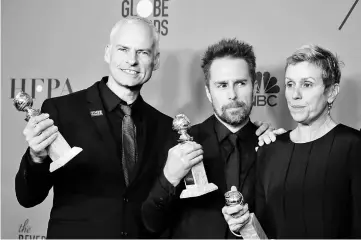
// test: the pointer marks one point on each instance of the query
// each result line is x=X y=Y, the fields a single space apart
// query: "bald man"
x=99 y=192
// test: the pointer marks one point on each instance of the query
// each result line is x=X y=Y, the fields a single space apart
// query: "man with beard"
x=228 y=139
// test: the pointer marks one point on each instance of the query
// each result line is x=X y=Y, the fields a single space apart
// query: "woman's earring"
x=329 y=108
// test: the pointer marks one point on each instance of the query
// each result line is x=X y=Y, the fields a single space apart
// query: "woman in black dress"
x=309 y=179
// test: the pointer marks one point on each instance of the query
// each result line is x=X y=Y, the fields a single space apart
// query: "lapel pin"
x=96 y=113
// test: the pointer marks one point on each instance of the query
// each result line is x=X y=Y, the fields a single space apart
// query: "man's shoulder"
x=207 y=122
x=155 y=114
x=202 y=128
x=74 y=101
x=76 y=97
x=69 y=100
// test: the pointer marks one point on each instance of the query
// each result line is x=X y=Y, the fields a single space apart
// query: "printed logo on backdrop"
x=25 y=232
x=51 y=87
x=154 y=10
x=266 y=90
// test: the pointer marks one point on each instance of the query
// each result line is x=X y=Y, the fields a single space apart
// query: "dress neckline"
x=315 y=140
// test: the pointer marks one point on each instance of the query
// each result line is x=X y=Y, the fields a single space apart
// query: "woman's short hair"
x=322 y=58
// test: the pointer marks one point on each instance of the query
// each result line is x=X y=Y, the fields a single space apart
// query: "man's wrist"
x=171 y=180
x=34 y=159
x=35 y=167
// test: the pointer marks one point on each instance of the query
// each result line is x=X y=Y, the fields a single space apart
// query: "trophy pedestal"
x=253 y=229
x=196 y=180
x=65 y=158
x=60 y=152
x=197 y=190
x=197 y=183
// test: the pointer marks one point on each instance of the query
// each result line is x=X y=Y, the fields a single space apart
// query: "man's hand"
x=267 y=133
x=262 y=127
x=236 y=216
x=181 y=158
x=270 y=136
x=40 y=132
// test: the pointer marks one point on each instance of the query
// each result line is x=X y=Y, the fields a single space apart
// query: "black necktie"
x=233 y=163
x=129 y=145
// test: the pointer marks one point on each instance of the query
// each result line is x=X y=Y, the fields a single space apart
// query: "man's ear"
x=208 y=94
x=156 y=61
x=333 y=92
x=107 y=53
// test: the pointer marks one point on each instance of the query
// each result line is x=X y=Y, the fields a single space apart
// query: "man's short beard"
x=234 y=120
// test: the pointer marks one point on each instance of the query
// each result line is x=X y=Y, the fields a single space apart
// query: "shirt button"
x=125 y=234
x=125 y=199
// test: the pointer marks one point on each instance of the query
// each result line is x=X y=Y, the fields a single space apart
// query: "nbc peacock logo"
x=266 y=90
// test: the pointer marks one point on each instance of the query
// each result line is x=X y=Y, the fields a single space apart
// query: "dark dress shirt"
x=227 y=149
x=115 y=116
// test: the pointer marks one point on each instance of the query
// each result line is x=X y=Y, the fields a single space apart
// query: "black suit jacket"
x=90 y=196
x=199 y=217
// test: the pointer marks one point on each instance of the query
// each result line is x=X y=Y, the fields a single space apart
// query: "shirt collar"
x=223 y=132
x=111 y=101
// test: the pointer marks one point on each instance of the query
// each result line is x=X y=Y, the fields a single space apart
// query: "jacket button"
x=125 y=199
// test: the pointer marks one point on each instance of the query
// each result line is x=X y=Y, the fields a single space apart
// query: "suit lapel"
x=213 y=163
x=249 y=159
x=97 y=113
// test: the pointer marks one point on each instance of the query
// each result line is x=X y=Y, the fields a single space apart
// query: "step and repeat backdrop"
x=55 y=47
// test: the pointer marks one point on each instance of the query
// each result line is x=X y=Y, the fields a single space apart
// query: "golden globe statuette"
x=252 y=229
x=59 y=150
x=196 y=180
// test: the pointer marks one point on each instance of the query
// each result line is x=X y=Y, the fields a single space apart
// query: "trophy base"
x=253 y=229
x=65 y=158
x=198 y=190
